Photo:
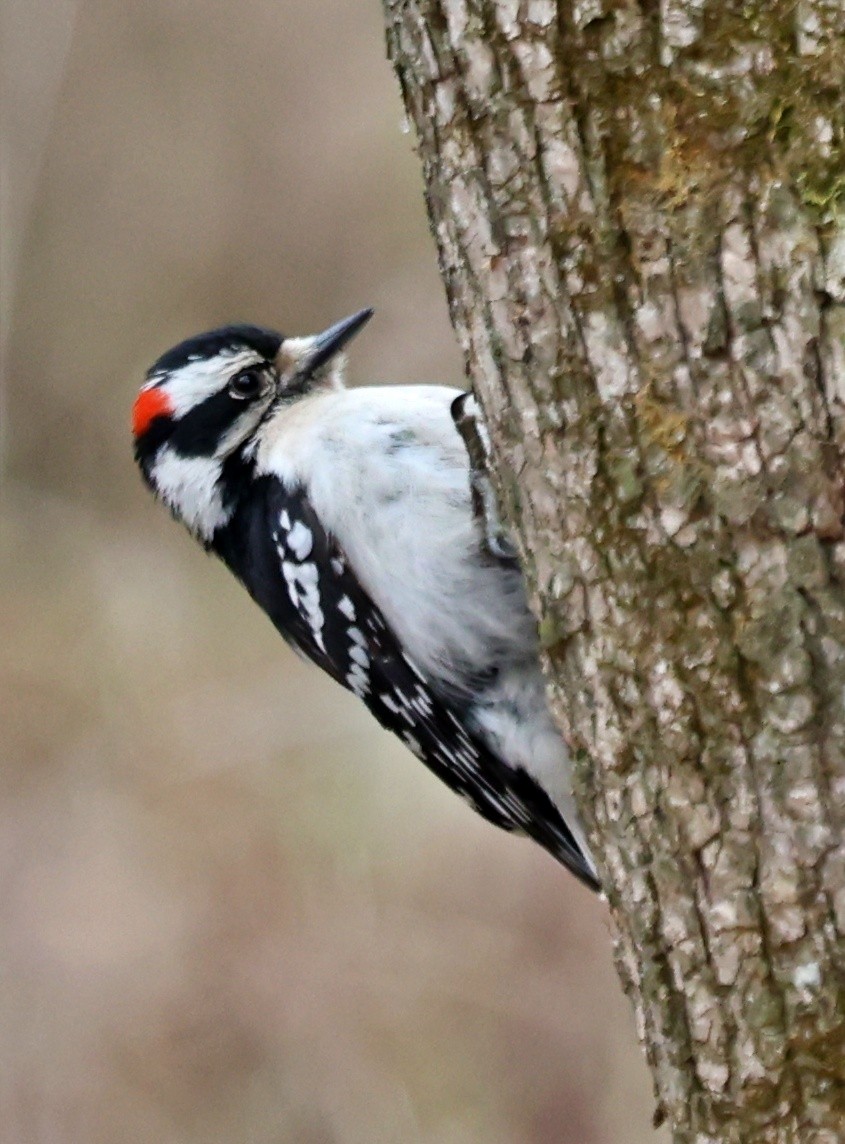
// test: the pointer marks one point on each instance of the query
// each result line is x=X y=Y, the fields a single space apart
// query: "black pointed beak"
x=331 y=341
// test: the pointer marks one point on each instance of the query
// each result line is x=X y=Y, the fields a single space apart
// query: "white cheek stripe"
x=199 y=379
x=189 y=486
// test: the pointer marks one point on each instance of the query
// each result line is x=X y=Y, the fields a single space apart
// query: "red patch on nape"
x=149 y=404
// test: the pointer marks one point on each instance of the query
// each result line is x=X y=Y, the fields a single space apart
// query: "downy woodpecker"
x=352 y=517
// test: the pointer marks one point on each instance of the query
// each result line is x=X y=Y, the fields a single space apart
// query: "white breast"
x=387 y=474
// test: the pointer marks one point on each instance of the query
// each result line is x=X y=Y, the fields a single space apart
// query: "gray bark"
x=638 y=208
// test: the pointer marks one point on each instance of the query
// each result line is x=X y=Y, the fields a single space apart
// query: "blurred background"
x=231 y=908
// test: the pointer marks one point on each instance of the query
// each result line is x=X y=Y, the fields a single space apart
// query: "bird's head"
x=202 y=404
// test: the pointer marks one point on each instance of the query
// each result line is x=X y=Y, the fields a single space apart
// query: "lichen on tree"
x=639 y=211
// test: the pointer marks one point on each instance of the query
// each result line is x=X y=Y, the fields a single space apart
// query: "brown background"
x=232 y=909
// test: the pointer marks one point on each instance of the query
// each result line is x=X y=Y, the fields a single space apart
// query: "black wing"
x=300 y=577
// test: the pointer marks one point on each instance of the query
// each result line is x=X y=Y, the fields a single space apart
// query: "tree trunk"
x=639 y=214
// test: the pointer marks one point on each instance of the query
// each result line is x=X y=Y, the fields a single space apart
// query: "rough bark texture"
x=639 y=214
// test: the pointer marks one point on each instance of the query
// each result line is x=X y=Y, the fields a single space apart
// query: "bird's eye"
x=248 y=383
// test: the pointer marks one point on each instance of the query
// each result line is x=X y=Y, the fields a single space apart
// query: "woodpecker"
x=357 y=522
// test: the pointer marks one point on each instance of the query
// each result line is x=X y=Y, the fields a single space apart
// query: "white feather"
x=387 y=474
x=189 y=486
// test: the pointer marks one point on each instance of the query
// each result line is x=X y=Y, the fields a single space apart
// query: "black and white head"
x=197 y=417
